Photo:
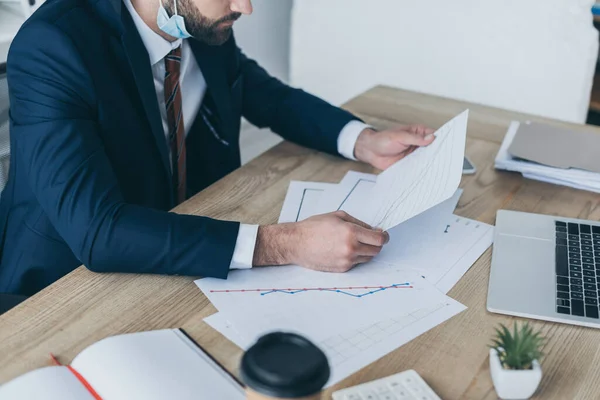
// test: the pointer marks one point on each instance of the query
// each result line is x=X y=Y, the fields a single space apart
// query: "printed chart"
x=352 y=291
x=302 y=200
x=290 y=300
x=353 y=349
x=350 y=351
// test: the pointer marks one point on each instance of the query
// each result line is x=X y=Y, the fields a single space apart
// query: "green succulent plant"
x=518 y=350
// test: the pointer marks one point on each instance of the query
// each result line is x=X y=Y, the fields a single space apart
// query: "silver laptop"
x=546 y=268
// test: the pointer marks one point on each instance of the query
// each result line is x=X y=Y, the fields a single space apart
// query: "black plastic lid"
x=285 y=365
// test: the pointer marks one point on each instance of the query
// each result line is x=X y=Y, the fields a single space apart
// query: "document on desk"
x=411 y=186
x=441 y=246
x=315 y=303
x=572 y=177
x=350 y=195
x=351 y=350
x=302 y=200
x=305 y=199
x=422 y=180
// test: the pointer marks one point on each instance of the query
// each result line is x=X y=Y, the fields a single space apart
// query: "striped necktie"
x=175 y=122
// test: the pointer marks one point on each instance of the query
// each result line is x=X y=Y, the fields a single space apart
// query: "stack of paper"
x=566 y=176
x=439 y=245
x=412 y=185
x=360 y=316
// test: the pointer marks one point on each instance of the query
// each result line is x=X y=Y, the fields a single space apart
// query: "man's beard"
x=200 y=27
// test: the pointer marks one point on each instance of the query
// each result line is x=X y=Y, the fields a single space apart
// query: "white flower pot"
x=514 y=384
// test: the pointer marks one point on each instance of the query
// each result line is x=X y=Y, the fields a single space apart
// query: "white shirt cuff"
x=243 y=254
x=348 y=137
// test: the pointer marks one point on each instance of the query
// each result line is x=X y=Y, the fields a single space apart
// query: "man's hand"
x=334 y=242
x=382 y=149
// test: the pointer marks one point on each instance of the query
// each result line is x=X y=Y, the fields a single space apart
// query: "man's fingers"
x=366 y=250
x=421 y=130
x=349 y=218
x=410 y=150
x=364 y=232
x=373 y=237
x=363 y=260
x=413 y=139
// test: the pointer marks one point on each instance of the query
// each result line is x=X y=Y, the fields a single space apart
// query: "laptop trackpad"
x=523 y=275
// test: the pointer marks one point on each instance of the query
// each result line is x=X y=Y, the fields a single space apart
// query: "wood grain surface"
x=85 y=307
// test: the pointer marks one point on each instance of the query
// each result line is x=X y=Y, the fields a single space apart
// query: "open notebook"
x=163 y=364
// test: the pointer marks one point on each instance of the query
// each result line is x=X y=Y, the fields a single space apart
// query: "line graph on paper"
x=308 y=202
x=352 y=291
x=315 y=303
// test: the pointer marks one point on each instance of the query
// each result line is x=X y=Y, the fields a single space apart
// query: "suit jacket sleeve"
x=54 y=130
x=292 y=113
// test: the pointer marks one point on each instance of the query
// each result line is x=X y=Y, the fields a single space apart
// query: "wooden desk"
x=84 y=307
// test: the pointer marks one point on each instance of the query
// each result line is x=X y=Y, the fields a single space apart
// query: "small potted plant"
x=514 y=362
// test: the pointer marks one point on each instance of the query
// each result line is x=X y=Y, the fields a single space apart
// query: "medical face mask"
x=172 y=26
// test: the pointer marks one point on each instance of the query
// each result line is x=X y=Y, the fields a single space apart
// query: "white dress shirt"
x=193 y=88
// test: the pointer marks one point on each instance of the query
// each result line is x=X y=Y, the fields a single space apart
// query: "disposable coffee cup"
x=284 y=366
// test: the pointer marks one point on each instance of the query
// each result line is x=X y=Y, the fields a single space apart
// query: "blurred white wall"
x=534 y=56
x=265 y=35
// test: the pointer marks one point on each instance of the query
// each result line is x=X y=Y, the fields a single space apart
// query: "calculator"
x=407 y=385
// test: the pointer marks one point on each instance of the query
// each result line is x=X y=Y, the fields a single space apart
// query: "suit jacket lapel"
x=211 y=64
x=209 y=60
x=142 y=72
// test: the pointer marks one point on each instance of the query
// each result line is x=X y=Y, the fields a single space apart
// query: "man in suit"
x=122 y=109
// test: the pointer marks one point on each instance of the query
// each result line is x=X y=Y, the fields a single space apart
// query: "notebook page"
x=420 y=181
x=154 y=365
x=49 y=383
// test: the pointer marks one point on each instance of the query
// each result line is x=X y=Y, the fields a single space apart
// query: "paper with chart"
x=414 y=184
x=302 y=200
x=305 y=199
x=316 y=303
x=418 y=182
x=440 y=246
x=350 y=195
x=354 y=191
x=425 y=178
x=352 y=350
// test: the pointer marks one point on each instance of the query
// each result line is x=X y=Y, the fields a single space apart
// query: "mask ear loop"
x=174 y=1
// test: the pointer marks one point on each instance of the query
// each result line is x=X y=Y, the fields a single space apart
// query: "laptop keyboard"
x=577 y=269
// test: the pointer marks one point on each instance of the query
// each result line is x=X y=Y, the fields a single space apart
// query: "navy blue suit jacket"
x=90 y=181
